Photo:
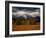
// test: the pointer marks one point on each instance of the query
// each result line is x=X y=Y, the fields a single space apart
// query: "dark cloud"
x=15 y=9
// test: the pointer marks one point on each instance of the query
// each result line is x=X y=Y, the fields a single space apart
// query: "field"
x=25 y=24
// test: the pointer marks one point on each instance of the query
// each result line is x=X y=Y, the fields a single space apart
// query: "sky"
x=24 y=11
x=15 y=9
